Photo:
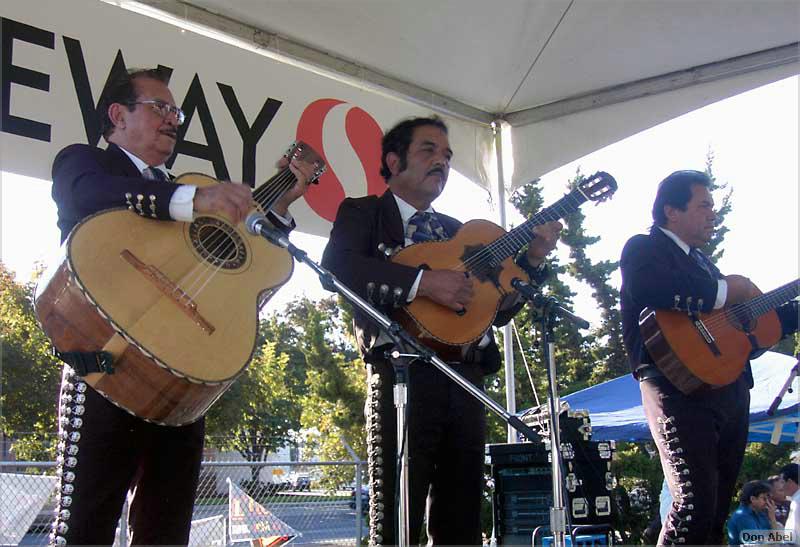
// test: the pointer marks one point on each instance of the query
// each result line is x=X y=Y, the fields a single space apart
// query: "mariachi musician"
x=701 y=436
x=103 y=450
x=446 y=425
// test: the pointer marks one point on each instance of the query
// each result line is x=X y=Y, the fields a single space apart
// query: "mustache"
x=171 y=132
x=435 y=170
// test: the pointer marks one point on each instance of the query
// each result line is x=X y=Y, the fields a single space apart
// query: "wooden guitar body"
x=435 y=324
x=681 y=349
x=486 y=252
x=176 y=304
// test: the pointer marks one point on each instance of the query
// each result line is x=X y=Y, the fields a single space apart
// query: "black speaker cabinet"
x=523 y=487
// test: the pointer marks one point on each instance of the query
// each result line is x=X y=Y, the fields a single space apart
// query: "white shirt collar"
x=407 y=210
x=141 y=165
x=678 y=241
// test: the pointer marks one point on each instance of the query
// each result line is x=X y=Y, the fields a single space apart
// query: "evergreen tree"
x=724 y=203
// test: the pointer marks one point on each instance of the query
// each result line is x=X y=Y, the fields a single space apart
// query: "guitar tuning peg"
x=290 y=149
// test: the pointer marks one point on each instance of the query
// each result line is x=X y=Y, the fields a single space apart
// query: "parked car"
x=364 y=498
x=302 y=482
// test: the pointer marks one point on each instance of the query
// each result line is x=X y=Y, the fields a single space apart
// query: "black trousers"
x=701 y=440
x=446 y=434
x=103 y=452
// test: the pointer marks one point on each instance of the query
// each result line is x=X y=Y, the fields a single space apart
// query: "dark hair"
x=123 y=91
x=790 y=471
x=753 y=489
x=676 y=191
x=398 y=139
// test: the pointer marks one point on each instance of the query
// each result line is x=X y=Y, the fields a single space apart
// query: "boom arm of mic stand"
x=395 y=331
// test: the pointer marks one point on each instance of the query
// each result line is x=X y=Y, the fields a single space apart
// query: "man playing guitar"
x=701 y=436
x=446 y=426
x=104 y=450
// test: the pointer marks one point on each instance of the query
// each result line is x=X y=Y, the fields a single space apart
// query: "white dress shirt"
x=181 y=205
x=722 y=285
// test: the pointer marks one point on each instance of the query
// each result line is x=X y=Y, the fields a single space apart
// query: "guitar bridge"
x=170 y=290
x=706 y=334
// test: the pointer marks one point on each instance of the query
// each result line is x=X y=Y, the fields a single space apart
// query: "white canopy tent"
x=568 y=76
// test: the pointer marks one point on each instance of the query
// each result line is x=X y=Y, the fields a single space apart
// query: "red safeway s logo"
x=364 y=135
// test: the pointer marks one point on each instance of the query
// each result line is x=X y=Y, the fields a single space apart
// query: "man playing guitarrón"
x=103 y=450
x=701 y=436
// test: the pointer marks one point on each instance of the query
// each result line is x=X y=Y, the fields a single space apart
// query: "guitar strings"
x=263 y=196
x=220 y=246
x=511 y=241
x=756 y=306
x=220 y=256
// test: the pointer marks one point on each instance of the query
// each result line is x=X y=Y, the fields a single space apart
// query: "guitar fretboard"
x=770 y=300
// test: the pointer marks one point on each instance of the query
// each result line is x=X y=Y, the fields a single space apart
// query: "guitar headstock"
x=598 y=187
x=302 y=151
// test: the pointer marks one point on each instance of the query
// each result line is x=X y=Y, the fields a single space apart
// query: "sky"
x=753 y=136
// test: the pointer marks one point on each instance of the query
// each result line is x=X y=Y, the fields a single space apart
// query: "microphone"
x=257 y=224
x=528 y=291
x=533 y=296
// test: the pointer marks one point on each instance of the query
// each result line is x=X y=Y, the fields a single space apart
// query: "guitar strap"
x=85 y=362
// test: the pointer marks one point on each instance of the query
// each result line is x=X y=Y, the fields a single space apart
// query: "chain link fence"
x=237 y=501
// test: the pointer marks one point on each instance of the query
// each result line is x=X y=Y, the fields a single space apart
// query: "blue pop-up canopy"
x=616 y=413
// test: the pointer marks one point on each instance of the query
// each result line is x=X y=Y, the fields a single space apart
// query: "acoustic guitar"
x=711 y=349
x=486 y=251
x=175 y=303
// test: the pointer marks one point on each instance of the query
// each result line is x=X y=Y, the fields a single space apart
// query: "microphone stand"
x=550 y=309
x=257 y=224
x=787 y=386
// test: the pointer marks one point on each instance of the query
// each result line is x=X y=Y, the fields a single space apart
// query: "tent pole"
x=508 y=340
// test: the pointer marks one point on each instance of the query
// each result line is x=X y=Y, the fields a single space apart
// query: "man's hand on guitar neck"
x=446 y=287
x=234 y=200
x=545 y=241
x=740 y=289
x=304 y=171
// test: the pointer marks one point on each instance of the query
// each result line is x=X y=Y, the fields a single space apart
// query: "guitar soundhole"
x=218 y=243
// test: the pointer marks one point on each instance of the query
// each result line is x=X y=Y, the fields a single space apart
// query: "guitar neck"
x=271 y=191
x=770 y=300
x=514 y=240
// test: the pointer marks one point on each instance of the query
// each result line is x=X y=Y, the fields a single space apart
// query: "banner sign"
x=242 y=109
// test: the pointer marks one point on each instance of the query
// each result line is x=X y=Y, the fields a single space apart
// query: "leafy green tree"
x=334 y=403
x=29 y=374
x=260 y=411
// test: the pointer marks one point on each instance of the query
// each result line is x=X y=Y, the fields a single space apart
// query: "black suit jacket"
x=87 y=179
x=656 y=273
x=353 y=255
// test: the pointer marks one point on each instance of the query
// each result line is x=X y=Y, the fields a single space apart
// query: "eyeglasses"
x=163 y=109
